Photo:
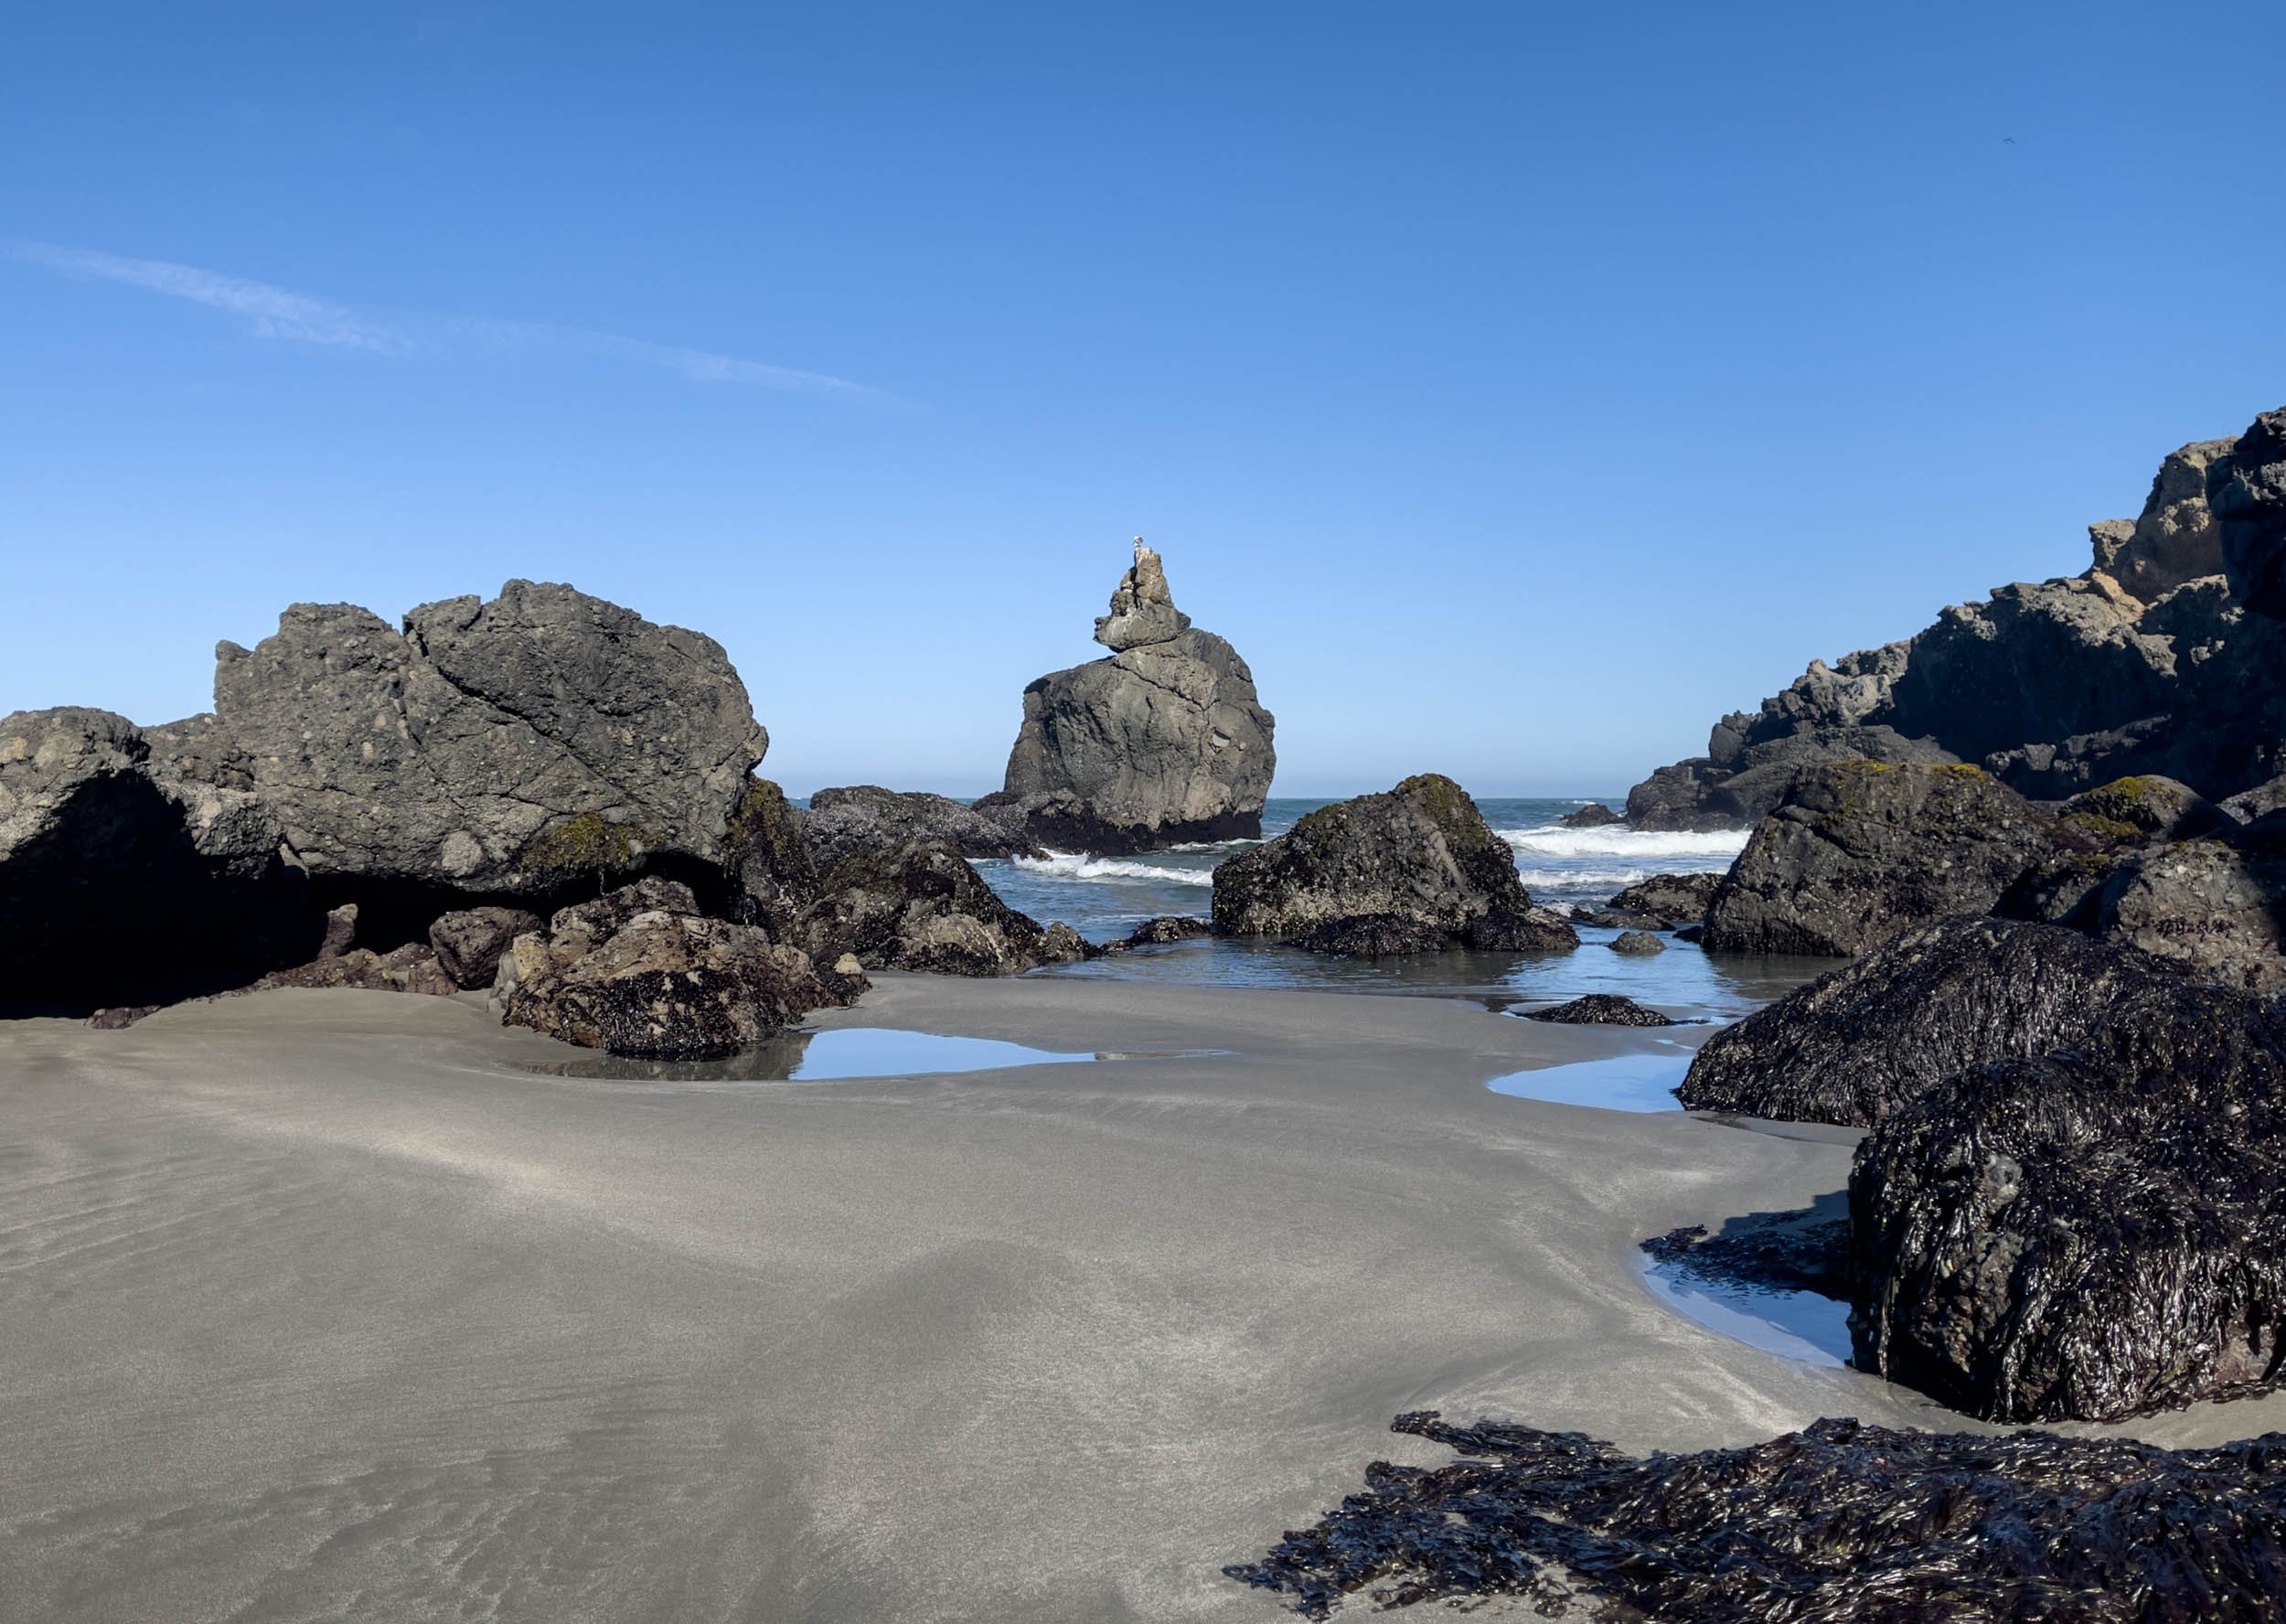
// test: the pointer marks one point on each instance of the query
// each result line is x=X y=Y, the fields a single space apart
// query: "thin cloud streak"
x=280 y=313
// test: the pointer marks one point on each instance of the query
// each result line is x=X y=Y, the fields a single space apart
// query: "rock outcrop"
x=2217 y=904
x=2150 y=661
x=123 y=883
x=1594 y=815
x=1860 y=851
x=506 y=749
x=2247 y=491
x=469 y=942
x=840 y=821
x=641 y=972
x=1600 y=1009
x=1864 y=1041
x=1668 y=900
x=1163 y=742
x=920 y=906
x=1414 y=869
x=2088 y=1234
x=1636 y=944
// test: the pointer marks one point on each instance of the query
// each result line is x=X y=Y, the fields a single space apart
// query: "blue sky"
x=1518 y=387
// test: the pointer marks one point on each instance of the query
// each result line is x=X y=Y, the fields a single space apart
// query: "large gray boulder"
x=512 y=747
x=1416 y=869
x=2174 y=539
x=124 y=883
x=1163 y=742
x=2247 y=491
x=2217 y=904
x=1861 y=850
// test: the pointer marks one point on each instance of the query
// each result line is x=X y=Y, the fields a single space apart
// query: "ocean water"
x=1105 y=898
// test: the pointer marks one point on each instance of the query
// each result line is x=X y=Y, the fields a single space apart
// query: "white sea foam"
x=1582 y=879
x=1639 y=845
x=1077 y=865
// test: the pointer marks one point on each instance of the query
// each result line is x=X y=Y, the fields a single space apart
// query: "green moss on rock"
x=589 y=843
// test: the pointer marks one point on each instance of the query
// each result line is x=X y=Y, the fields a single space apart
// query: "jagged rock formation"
x=839 y=821
x=641 y=972
x=1162 y=743
x=1839 y=1523
x=2089 y=1234
x=1414 y=869
x=512 y=748
x=1860 y=851
x=1865 y=1040
x=470 y=943
x=2166 y=655
x=123 y=883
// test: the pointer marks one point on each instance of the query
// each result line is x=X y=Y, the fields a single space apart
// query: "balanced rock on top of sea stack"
x=1162 y=743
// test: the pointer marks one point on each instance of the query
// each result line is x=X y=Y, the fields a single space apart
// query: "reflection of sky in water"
x=1616 y=1083
x=825 y=1057
x=1797 y=1324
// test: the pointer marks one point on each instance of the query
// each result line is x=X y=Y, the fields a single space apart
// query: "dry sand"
x=317 y=1306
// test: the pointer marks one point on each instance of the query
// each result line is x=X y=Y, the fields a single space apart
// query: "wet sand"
x=317 y=1305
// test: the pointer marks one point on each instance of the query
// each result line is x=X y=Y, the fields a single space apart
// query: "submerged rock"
x=1636 y=944
x=1163 y=742
x=122 y=884
x=1601 y=1008
x=509 y=748
x=1839 y=1523
x=1865 y=1040
x=1170 y=928
x=639 y=972
x=1861 y=850
x=2089 y=1234
x=1414 y=869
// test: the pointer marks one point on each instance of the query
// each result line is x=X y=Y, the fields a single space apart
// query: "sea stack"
x=1162 y=743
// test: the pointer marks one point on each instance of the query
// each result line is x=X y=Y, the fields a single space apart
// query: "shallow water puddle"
x=1619 y=1083
x=1797 y=1324
x=830 y=1056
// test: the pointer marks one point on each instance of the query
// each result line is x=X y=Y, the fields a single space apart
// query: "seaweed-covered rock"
x=1861 y=850
x=840 y=821
x=122 y=884
x=1668 y=900
x=1162 y=743
x=412 y=967
x=2089 y=1234
x=1600 y=1009
x=510 y=748
x=2247 y=491
x=766 y=858
x=468 y=942
x=1416 y=868
x=2218 y=904
x=922 y=907
x=638 y=972
x=1839 y=1523
x=1862 y=1041
x=1636 y=944
x=1171 y=927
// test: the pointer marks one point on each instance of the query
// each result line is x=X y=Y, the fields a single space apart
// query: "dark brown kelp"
x=1840 y=1523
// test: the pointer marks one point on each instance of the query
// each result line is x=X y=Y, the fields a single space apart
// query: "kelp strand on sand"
x=1840 y=1523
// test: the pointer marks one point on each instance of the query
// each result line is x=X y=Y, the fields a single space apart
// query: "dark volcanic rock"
x=509 y=748
x=1840 y=1523
x=1409 y=870
x=841 y=821
x=469 y=941
x=122 y=884
x=639 y=973
x=1601 y=1008
x=1801 y=1251
x=1860 y=851
x=2218 y=904
x=409 y=969
x=2175 y=539
x=1752 y=779
x=1670 y=899
x=1170 y=928
x=1594 y=815
x=2247 y=491
x=2090 y=1233
x=1636 y=944
x=1164 y=742
x=2135 y=811
x=1866 y=1040
x=922 y=907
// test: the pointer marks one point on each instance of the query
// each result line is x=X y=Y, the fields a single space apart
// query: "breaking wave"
x=1662 y=846
x=1076 y=865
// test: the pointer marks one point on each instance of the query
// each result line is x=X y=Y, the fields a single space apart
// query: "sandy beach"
x=323 y=1305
